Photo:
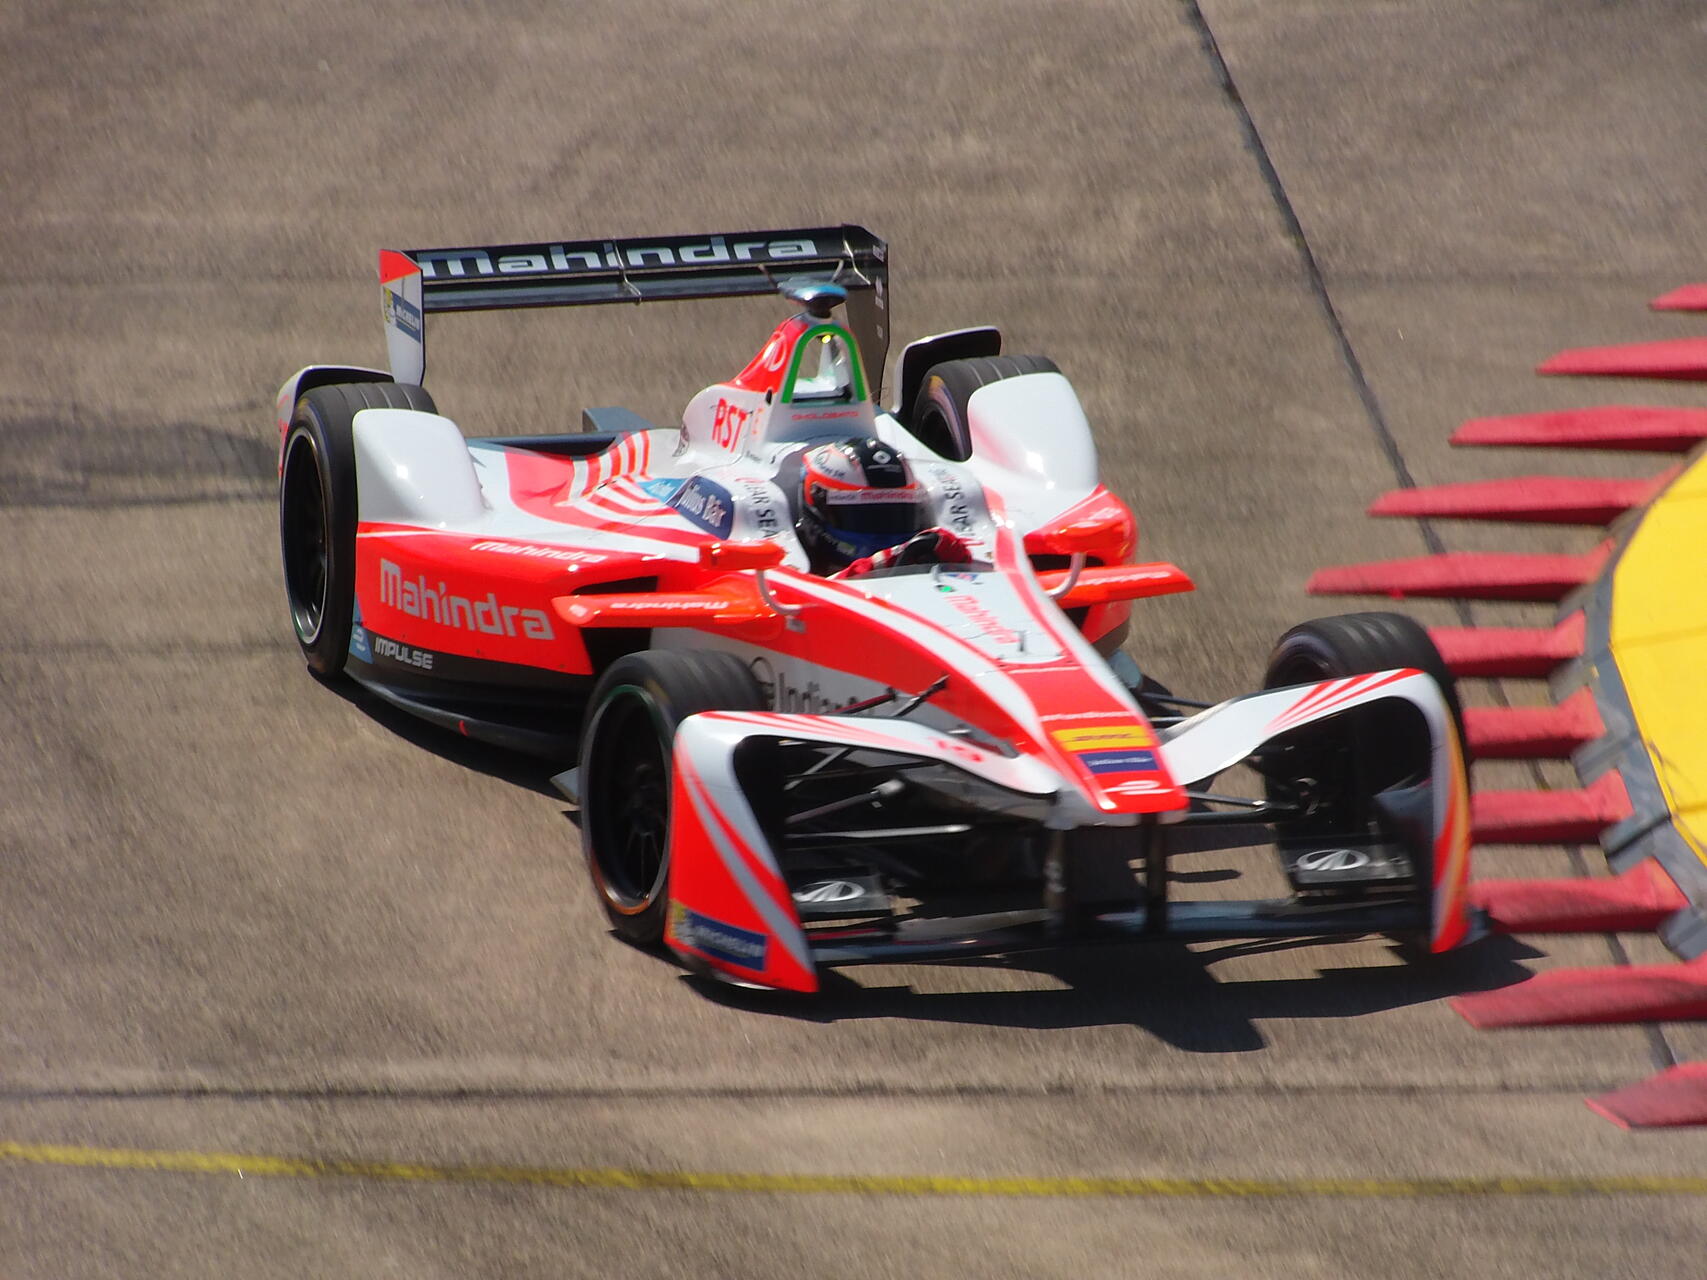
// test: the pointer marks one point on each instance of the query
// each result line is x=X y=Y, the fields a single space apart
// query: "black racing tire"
x=1354 y=644
x=317 y=513
x=625 y=772
x=938 y=413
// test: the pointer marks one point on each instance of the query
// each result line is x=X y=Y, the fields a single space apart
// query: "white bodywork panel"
x=414 y=468
x=1220 y=737
x=1032 y=444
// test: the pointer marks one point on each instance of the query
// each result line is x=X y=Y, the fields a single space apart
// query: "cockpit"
x=826 y=371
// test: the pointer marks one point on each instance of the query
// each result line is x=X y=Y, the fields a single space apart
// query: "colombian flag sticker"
x=1105 y=737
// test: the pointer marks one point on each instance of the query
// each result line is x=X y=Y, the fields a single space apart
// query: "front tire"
x=625 y=769
x=317 y=512
x=1355 y=644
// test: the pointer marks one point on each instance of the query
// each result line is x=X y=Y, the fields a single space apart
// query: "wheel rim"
x=627 y=799
x=305 y=538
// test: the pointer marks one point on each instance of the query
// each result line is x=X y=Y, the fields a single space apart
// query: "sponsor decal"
x=824 y=415
x=719 y=940
x=663 y=490
x=1136 y=787
x=832 y=463
x=953 y=504
x=1333 y=860
x=358 y=643
x=862 y=497
x=706 y=504
x=1118 y=761
x=1107 y=737
x=403 y=313
x=577 y=258
x=762 y=507
x=419 y=599
x=726 y=424
x=402 y=654
x=828 y=893
x=988 y=623
x=534 y=551
x=784 y=695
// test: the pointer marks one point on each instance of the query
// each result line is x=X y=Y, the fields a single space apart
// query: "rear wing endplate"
x=570 y=273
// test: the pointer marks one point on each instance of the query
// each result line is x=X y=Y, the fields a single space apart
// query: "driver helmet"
x=857 y=497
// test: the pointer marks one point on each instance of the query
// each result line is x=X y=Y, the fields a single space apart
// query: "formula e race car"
x=842 y=684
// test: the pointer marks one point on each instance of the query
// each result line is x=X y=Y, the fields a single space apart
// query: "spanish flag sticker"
x=1105 y=737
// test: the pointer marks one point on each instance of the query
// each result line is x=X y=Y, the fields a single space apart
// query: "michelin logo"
x=721 y=941
x=403 y=313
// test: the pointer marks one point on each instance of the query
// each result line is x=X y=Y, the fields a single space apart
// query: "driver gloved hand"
x=933 y=546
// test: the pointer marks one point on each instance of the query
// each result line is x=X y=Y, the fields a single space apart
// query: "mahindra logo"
x=560 y=259
x=828 y=892
x=1334 y=860
x=418 y=599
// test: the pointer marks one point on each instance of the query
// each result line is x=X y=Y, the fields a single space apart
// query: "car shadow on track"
x=1164 y=988
x=525 y=771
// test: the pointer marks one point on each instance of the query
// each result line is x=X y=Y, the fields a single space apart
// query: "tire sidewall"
x=646 y=912
x=324 y=429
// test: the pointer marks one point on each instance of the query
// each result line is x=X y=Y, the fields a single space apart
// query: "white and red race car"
x=779 y=768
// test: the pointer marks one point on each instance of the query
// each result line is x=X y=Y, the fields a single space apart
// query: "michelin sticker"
x=721 y=941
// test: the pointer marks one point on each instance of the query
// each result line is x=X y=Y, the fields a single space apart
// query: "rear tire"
x=625 y=772
x=317 y=513
x=938 y=419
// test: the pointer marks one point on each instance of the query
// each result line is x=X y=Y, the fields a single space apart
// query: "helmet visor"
x=875 y=517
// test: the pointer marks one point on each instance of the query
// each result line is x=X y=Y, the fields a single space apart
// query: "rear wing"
x=573 y=273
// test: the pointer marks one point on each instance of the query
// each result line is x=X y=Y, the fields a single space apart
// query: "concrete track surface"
x=239 y=913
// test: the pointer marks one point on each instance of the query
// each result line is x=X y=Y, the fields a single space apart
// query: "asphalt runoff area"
x=248 y=921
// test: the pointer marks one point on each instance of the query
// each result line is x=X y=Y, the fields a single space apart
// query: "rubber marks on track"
x=1645 y=896
x=917 y=1185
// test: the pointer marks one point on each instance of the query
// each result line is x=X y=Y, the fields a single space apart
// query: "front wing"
x=733 y=911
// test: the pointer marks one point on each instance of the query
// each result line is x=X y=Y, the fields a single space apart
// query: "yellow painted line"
x=262 y=1166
